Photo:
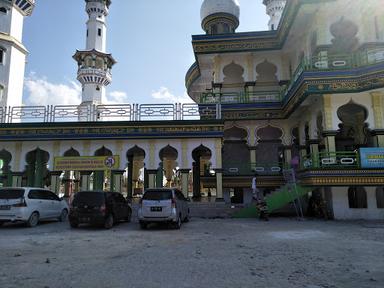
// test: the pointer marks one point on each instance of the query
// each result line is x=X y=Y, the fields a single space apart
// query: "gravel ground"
x=204 y=253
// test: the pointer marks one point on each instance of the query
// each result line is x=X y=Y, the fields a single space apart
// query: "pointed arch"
x=353 y=130
x=103 y=151
x=71 y=153
x=266 y=73
x=233 y=73
x=235 y=133
x=37 y=170
x=168 y=152
x=136 y=152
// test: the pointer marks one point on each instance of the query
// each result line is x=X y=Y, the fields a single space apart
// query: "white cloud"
x=116 y=97
x=42 y=92
x=163 y=95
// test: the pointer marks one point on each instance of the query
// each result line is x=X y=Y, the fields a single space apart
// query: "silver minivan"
x=163 y=205
x=30 y=205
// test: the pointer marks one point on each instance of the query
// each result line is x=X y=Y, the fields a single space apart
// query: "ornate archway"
x=168 y=156
x=201 y=156
x=101 y=181
x=37 y=169
x=135 y=181
x=353 y=130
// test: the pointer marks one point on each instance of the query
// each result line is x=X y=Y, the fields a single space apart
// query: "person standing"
x=257 y=194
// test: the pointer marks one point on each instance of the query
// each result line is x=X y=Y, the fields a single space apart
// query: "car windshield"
x=91 y=198
x=11 y=193
x=157 y=195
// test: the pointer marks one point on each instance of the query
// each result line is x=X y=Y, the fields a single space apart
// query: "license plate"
x=85 y=219
x=156 y=209
x=5 y=207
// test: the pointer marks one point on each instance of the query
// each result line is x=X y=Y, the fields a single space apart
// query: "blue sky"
x=150 y=39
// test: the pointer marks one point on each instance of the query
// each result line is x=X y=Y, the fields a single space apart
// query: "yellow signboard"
x=90 y=163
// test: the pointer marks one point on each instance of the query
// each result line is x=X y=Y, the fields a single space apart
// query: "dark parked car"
x=99 y=208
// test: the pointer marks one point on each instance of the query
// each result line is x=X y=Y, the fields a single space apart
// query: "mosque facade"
x=300 y=105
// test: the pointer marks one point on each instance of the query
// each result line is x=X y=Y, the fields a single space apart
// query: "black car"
x=99 y=208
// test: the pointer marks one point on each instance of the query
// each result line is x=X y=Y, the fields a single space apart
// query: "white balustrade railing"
x=115 y=112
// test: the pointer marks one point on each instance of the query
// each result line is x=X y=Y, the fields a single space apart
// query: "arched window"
x=3 y=10
x=357 y=197
x=380 y=197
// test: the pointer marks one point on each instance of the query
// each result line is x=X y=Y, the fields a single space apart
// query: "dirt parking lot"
x=204 y=253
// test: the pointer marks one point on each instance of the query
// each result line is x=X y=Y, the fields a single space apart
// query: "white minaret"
x=12 y=52
x=94 y=64
x=275 y=9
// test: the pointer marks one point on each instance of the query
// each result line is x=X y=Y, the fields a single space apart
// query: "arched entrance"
x=269 y=153
x=353 y=131
x=168 y=156
x=236 y=159
x=135 y=177
x=201 y=166
x=5 y=169
x=71 y=179
x=101 y=181
x=37 y=168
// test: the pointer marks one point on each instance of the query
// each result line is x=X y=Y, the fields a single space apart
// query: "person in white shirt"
x=257 y=194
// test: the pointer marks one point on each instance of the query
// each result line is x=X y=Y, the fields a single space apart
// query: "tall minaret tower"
x=12 y=52
x=94 y=72
x=275 y=9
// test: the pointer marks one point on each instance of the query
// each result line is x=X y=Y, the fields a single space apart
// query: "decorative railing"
x=241 y=168
x=117 y=112
x=240 y=97
x=312 y=64
x=331 y=160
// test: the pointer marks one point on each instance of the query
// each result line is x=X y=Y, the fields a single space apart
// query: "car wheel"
x=108 y=224
x=74 y=224
x=63 y=216
x=33 y=219
x=143 y=225
x=2 y=223
x=178 y=223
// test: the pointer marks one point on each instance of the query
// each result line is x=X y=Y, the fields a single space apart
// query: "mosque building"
x=301 y=105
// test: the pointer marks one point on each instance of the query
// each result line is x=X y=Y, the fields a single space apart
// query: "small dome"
x=210 y=7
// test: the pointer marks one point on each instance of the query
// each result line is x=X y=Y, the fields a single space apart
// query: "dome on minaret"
x=220 y=16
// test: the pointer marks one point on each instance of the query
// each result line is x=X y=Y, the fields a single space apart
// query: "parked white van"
x=163 y=205
x=30 y=205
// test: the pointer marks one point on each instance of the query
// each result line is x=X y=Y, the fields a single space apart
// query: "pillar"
x=196 y=178
x=377 y=106
x=160 y=176
x=184 y=181
x=85 y=180
x=217 y=69
x=252 y=154
x=219 y=184
x=314 y=146
x=151 y=177
x=130 y=177
x=378 y=136
x=117 y=181
x=328 y=113
x=17 y=178
x=55 y=181
x=38 y=179
x=329 y=139
x=287 y=156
